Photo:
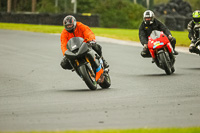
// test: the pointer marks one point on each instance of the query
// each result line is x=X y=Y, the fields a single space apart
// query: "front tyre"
x=165 y=63
x=107 y=81
x=88 y=78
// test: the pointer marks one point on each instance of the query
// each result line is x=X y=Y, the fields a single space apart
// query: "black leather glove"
x=91 y=43
x=170 y=37
x=145 y=46
x=193 y=40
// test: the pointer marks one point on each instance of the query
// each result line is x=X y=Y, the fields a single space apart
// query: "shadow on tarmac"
x=192 y=68
x=82 y=90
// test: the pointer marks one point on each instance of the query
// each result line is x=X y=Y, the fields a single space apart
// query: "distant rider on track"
x=194 y=32
x=149 y=24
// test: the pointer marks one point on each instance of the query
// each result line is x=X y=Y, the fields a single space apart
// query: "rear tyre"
x=165 y=63
x=173 y=69
x=88 y=78
x=107 y=81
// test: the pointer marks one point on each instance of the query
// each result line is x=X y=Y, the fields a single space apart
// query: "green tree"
x=22 y=5
x=65 y=6
x=3 y=5
x=86 y=6
x=119 y=13
x=46 y=6
x=195 y=4
x=160 y=1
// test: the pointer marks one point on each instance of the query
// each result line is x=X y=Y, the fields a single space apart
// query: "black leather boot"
x=105 y=63
x=175 y=52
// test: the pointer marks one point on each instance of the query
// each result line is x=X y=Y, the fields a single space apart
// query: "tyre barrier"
x=176 y=23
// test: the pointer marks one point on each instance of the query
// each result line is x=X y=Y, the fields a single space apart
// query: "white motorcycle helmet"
x=148 y=17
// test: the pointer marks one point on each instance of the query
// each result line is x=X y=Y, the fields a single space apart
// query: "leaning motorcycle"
x=87 y=63
x=197 y=36
x=161 y=51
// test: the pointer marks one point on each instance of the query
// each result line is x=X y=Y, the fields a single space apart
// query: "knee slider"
x=143 y=54
x=65 y=64
x=192 y=49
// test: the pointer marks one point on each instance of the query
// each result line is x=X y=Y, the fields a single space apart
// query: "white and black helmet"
x=69 y=20
x=148 y=17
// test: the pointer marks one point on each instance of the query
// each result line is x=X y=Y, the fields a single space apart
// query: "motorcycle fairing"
x=81 y=50
x=157 y=40
x=99 y=72
x=157 y=44
x=169 y=46
x=74 y=43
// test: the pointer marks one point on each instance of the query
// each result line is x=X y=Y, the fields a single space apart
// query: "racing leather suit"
x=145 y=31
x=194 y=36
x=80 y=30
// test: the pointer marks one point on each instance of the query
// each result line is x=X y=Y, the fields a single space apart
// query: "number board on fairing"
x=156 y=44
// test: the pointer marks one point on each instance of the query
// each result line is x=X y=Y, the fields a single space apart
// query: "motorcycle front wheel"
x=165 y=63
x=88 y=78
x=107 y=81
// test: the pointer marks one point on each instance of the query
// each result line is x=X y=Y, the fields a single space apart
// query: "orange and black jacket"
x=81 y=30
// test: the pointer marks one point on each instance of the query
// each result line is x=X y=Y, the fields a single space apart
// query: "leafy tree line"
x=117 y=13
x=113 y=13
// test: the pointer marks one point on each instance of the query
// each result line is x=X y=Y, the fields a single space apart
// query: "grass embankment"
x=164 y=130
x=121 y=34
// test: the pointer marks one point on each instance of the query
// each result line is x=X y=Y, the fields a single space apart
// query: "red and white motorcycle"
x=161 y=51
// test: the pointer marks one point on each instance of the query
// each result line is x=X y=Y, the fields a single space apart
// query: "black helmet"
x=148 y=17
x=70 y=23
x=196 y=16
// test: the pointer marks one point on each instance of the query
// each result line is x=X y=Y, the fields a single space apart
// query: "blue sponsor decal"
x=99 y=68
x=157 y=44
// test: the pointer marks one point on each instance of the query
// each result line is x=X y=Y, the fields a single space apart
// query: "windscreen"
x=74 y=43
x=155 y=34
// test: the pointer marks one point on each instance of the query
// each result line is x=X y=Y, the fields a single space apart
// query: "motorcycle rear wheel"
x=173 y=69
x=87 y=77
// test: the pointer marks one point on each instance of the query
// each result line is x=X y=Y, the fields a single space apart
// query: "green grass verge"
x=121 y=34
x=142 y=130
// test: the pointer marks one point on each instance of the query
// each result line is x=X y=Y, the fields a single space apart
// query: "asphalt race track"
x=37 y=94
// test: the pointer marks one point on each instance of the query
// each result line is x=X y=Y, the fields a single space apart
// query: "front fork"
x=98 y=65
